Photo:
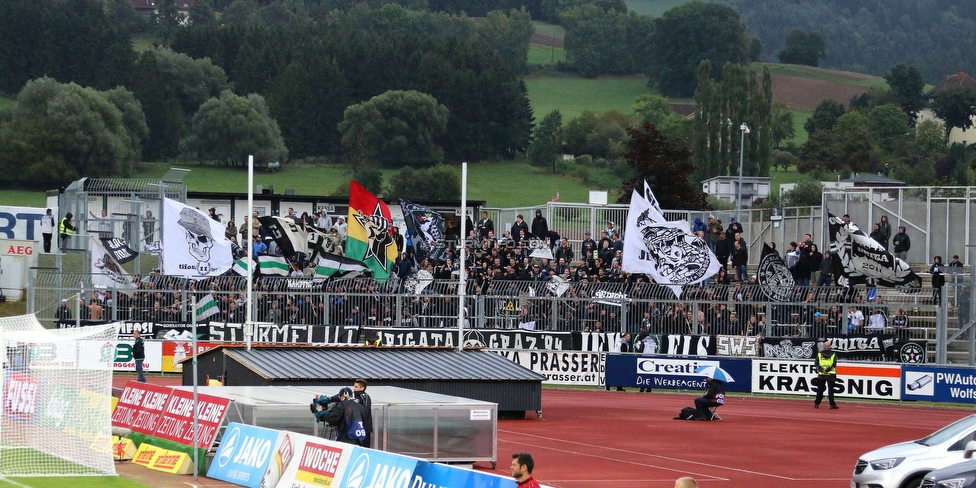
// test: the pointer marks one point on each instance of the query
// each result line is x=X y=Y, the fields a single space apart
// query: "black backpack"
x=687 y=413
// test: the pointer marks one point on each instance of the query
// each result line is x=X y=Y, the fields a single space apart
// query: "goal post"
x=56 y=399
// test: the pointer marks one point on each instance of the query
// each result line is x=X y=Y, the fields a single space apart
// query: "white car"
x=904 y=465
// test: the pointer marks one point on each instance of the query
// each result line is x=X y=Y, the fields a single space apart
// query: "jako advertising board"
x=939 y=384
x=854 y=380
x=672 y=372
x=251 y=456
x=561 y=367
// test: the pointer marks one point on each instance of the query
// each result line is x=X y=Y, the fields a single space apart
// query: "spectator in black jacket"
x=518 y=227
x=902 y=243
x=539 y=225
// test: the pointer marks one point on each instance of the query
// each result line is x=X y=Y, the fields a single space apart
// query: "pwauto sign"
x=854 y=380
x=939 y=384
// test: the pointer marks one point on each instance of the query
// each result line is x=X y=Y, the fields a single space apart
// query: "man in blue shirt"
x=258 y=247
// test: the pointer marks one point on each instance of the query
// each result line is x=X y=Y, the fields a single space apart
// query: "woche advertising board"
x=854 y=380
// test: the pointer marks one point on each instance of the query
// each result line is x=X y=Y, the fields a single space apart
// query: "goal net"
x=56 y=398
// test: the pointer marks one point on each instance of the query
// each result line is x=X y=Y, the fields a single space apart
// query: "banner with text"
x=673 y=372
x=176 y=419
x=854 y=380
x=729 y=345
x=939 y=384
x=561 y=367
x=251 y=456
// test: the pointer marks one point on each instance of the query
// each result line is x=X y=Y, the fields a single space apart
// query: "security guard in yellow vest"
x=65 y=229
x=826 y=375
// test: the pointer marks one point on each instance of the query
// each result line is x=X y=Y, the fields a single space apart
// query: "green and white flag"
x=206 y=307
x=273 y=266
x=242 y=266
x=335 y=266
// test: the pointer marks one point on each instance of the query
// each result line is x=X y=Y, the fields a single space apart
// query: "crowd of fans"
x=582 y=288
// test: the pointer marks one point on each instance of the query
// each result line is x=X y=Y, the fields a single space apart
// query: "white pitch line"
x=747 y=471
x=7 y=480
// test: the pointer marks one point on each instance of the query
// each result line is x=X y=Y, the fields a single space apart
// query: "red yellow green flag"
x=368 y=237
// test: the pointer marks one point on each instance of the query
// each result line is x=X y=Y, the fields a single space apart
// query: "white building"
x=754 y=189
x=957 y=135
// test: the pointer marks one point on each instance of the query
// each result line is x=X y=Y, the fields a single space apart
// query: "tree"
x=805 y=193
x=547 y=141
x=508 y=36
x=168 y=19
x=665 y=165
x=440 y=182
x=782 y=122
x=956 y=107
x=887 y=124
x=854 y=142
x=806 y=48
x=132 y=118
x=783 y=160
x=688 y=34
x=202 y=13
x=230 y=128
x=930 y=139
x=75 y=41
x=819 y=154
x=606 y=41
x=598 y=135
x=239 y=12
x=396 y=128
x=824 y=116
x=906 y=85
x=59 y=132
x=741 y=96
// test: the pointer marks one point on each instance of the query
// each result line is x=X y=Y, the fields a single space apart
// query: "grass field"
x=551 y=30
x=844 y=77
x=72 y=481
x=540 y=55
x=505 y=183
x=23 y=198
x=655 y=8
x=800 y=117
x=572 y=94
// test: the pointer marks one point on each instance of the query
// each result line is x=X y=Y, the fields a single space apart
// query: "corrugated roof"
x=298 y=363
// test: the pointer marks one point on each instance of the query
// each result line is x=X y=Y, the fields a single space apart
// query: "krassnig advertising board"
x=854 y=380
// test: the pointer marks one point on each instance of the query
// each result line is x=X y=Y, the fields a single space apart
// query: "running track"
x=596 y=438
x=629 y=440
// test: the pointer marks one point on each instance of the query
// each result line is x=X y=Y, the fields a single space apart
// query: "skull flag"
x=194 y=245
x=666 y=251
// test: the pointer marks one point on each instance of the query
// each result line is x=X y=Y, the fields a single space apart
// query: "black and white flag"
x=319 y=245
x=666 y=251
x=426 y=231
x=774 y=278
x=117 y=247
x=289 y=236
x=858 y=257
x=194 y=245
x=106 y=270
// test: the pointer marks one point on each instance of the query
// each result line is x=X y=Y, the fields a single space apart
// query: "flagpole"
x=249 y=311
x=196 y=400
x=464 y=241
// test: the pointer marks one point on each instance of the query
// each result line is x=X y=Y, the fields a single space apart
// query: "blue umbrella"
x=715 y=373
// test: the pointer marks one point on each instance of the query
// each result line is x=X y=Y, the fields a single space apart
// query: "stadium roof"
x=445 y=364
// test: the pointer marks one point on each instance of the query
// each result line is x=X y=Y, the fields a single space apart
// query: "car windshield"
x=949 y=432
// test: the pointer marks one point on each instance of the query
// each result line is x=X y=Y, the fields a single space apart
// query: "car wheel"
x=914 y=482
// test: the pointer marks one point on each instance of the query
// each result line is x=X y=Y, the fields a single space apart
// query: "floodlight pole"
x=464 y=242
x=743 y=129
